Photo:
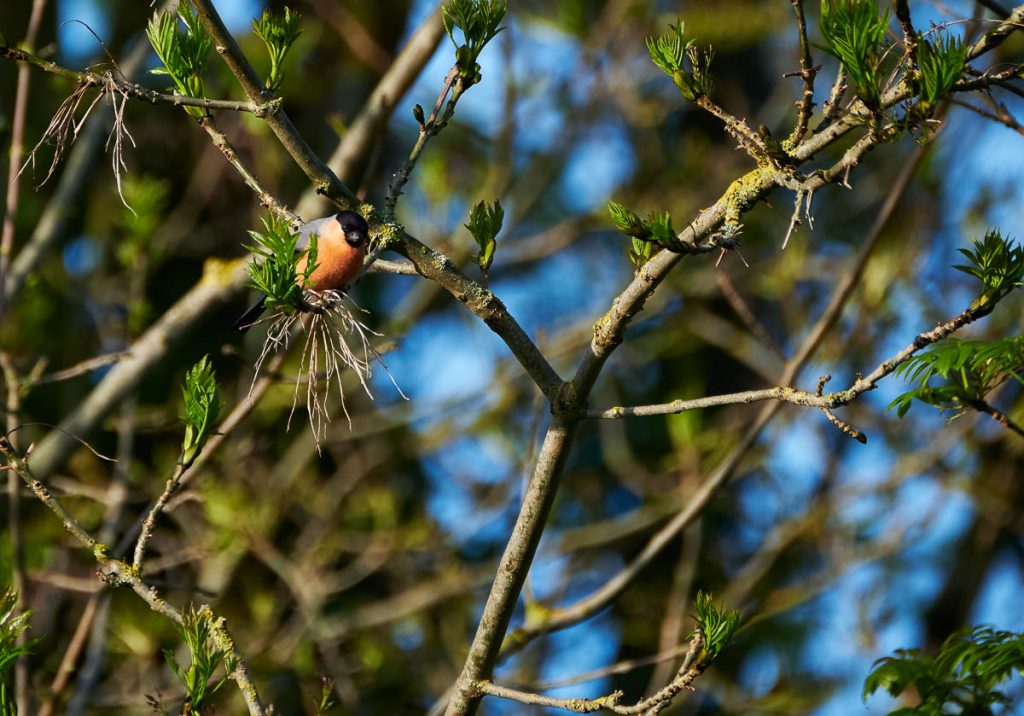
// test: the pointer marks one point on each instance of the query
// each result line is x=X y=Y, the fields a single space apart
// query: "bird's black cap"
x=357 y=232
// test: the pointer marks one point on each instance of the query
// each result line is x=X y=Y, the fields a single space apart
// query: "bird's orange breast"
x=338 y=262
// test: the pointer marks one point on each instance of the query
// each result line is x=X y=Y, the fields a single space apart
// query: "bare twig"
x=108 y=82
x=430 y=128
x=1001 y=115
x=149 y=523
x=323 y=178
x=800 y=397
x=807 y=73
x=691 y=668
x=225 y=147
x=121 y=573
x=86 y=366
x=986 y=408
x=12 y=407
x=13 y=189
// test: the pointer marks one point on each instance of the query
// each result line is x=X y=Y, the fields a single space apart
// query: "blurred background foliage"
x=368 y=562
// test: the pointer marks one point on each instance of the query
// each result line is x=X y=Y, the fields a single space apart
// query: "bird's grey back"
x=308 y=229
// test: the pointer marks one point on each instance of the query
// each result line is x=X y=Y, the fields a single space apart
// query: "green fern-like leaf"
x=274 y=271
x=183 y=54
x=479 y=21
x=940 y=65
x=278 y=32
x=717 y=624
x=678 y=57
x=963 y=678
x=201 y=408
x=854 y=31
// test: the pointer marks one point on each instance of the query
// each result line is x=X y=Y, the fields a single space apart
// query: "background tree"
x=518 y=308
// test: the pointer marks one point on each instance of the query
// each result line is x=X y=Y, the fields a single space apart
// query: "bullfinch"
x=341 y=247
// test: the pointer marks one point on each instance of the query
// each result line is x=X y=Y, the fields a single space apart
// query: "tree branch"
x=325 y=180
x=7 y=233
x=807 y=74
x=133 y=90
x=691 y=668
x=121 y=573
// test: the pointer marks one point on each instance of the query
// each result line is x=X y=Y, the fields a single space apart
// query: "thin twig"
x=431 y=127
x=120 y=573
x=986 y=408
x=11 y=208
x=12 y=407
x=108 y=82
x=225 y=147
x=807 y=73
x=1001 y=115
x=691 y=668
x=325 y=180
x=149 y=523
x=86 y=366
x=801 y=397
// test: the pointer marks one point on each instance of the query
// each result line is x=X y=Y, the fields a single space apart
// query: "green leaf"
x=485 y=222
x=279 y=33
x=962 y=678
x=668 y=51
x=661 y=230
x=940 y=66
x=183 y=54
x=998 y=263
x=678 y=57
x=854 y=31
x=12 y=627
x=274 y=270
x=717 y=624
x=627 y=221
x=479 y=21
x=201 y=408
x=205 y=659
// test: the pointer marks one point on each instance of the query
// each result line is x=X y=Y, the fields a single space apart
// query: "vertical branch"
x=902 y=9
x=515 y=563
x=14 y=159
x=12 y=407
x=807 y=74
x=149 y=523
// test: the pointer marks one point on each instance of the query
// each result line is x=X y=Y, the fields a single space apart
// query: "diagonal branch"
x=787 y=394
x=120 y=573
x=325 y=180
x=488 y=308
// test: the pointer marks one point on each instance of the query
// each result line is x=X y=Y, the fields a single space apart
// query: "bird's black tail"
x=248 y=318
